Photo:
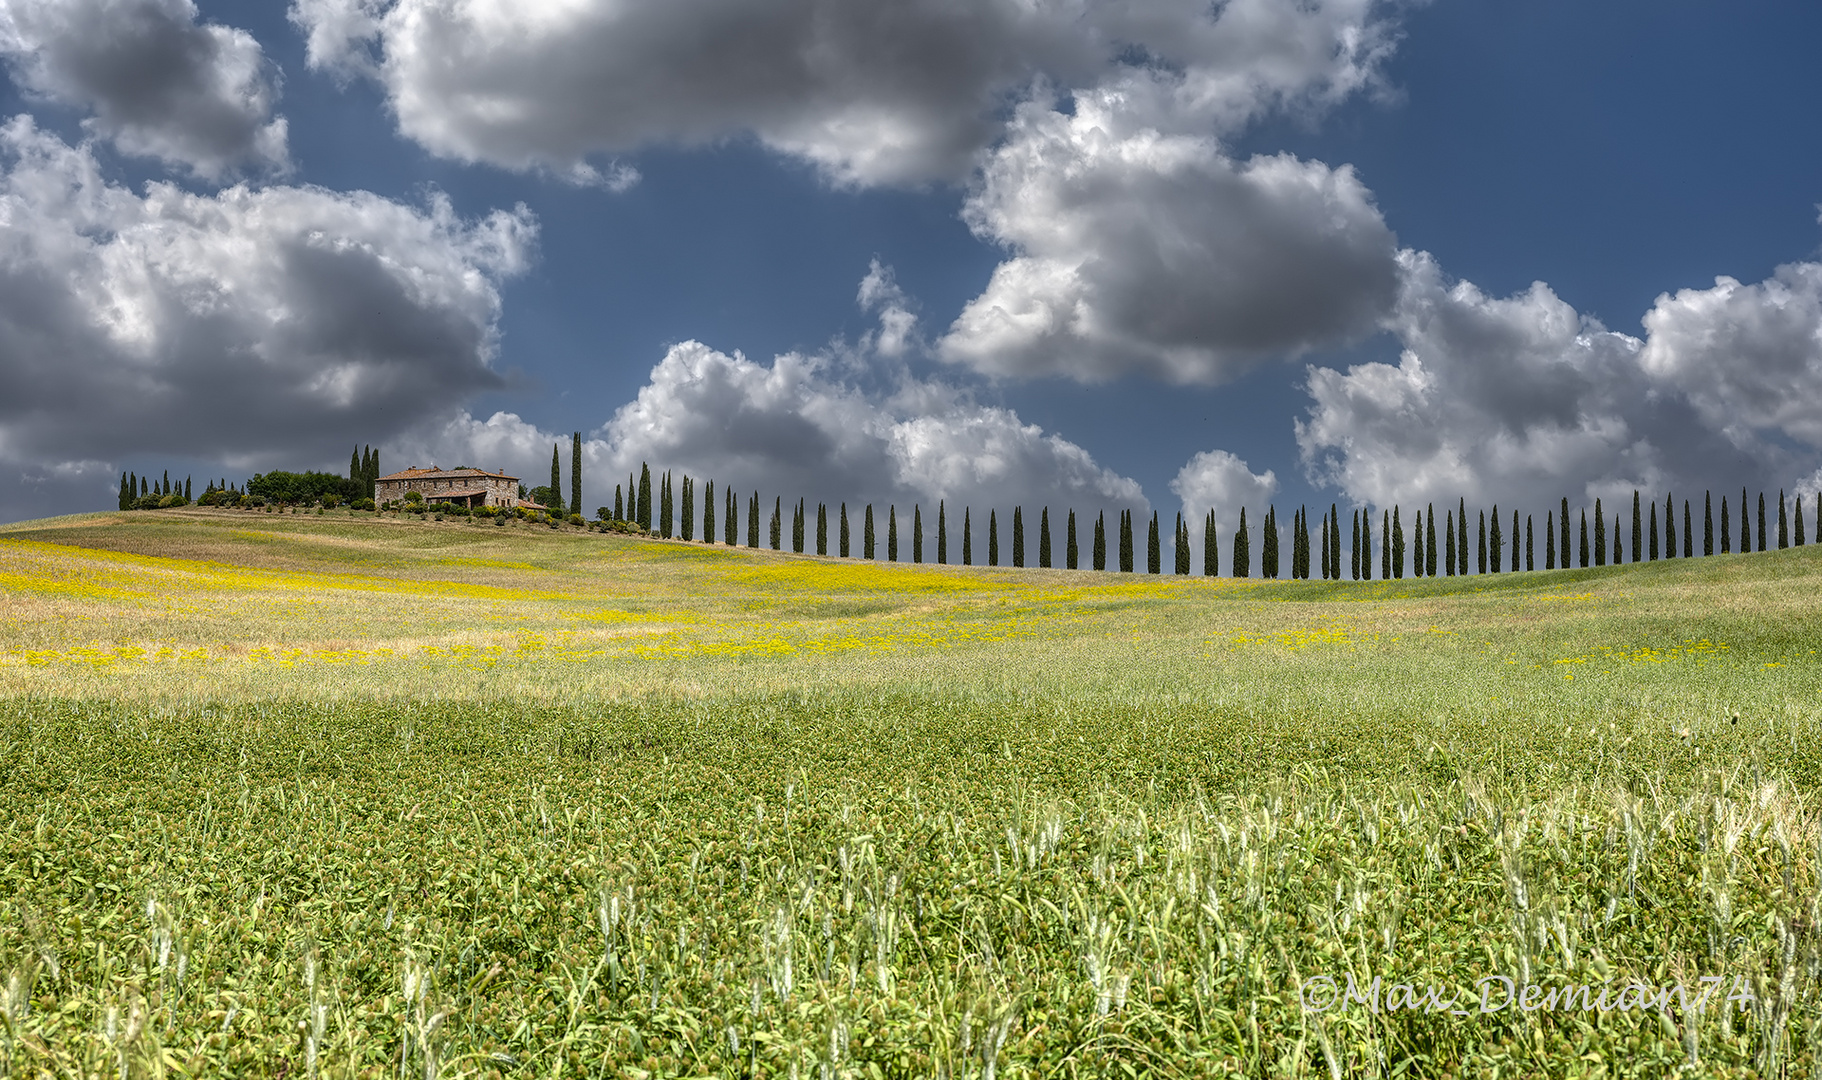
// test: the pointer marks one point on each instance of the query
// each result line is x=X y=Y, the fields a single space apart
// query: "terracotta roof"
x=434 y=473
x=529 y=505
x=443 y=496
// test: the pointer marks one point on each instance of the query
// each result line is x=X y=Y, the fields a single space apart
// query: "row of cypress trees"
x=139 y=492
x=1311 y=553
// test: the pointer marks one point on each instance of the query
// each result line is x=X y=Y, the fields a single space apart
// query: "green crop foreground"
x=331 y=796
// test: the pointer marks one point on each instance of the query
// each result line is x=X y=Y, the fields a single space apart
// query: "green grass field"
x=300 y=795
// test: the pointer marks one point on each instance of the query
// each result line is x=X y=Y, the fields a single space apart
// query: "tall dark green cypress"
x=687 y=516
x=1335 y=542
x=993 y=537
x=1707 y=523
x=665 y=506
x=1418 y=553
x=822 y=528
x=186 y=488
x=1638 y=527
x=1495 y=542
x=1762 y=536
x=1726 y=529
x=1296 y=546
x=165 y=484
x=1098 y=554
x=1126 y=541
x=645 y=497
x=1616 y=540
x=753 y=521
x=1325 y=547
x=1181 y=544
x=917 y=532
x=1071 y=553
x=1268 y=544
x=730 y=529
x=797 y=527
x=1461 y=536
x=1480 y=562
x=1397 y=545
x=1242 y=561
x=1514 y=535
x=776 y=535
x=708 y=513
x=1354 y=548
x=1799 y=517
x=1783 y=522
x=575 y=478
x=1429 y=532
x=1582 y=551
x=891 y=533
x=556 y=481
x=1154 y=561
x=942 y=533
x=1669 y=526
x=1651 y=533
x=844 y=529
x=354 y=466
x=619 y=504
x=1563 y=525
x=1448 y=532
x=1688 y=536
x=1529 y=565
x=1018 y=536
x=967 y=536
x=1385 y=545
x=1211 y=547
x=1600 y=535
x=1044 y=539
x=866 y=534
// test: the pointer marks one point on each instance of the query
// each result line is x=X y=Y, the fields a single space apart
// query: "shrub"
x=414 y=507
x=576 y=519
x=361 y=504
x=414 y=496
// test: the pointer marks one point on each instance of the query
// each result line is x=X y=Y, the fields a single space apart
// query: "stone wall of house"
x=501 y=491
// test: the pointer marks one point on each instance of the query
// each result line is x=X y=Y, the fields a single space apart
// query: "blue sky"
x=1224 y=197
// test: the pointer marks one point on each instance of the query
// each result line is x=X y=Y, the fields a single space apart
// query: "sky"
x=1163 y=255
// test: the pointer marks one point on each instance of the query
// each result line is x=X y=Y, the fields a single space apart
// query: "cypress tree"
x=1688 y=536
x=1243 y=557
x=165 y=484
x=1211 y=549
x=575 y=479
x=1385 y=546
x=1429 y=524
x=993 y=537
x=1181 y=543
x=645 y=498
x=1397 y=545
x=967 y=538
x=1417 y=549
x=1268 y=544
x=1783 y=522
x=354 y=465
x=1480 y=564
x=123 y=491
x=753 y=521
x=866 y=534
x=1018 y=536
x=1726 y=530
x=1762 y=536
x=1354 y=548
x=619 y=507
x=844 y=529
x=1071 y=554
x=708 y=513
x=917 y=532
x=186 y=488
x=142 y=488
x=1584 y=547
x=1448 y=532
x=1335 y=542
x=1514 y=535
x=1299 y=557
x=891 y=533
x=687 y=517
x=731 y=527
x=1366 y=545
x=1652 y=535
x=1707 y=523
x=1638 y=528
x=556 y=482
x=1819 y=518
x=942 y=533
x=1154 y=562
x=1325 y=548
x=797 y=527
x=1550 y=540
x=666 y=506
x=1126 y=541
x=1303 y=542
x=1098 y=555
x=776 y=533
x=1529 y=565
x=1616 y=540
x=1044 y=538
x=1669 y=526
x=1600 y=535
x=1799 y=517
x=1495 y=541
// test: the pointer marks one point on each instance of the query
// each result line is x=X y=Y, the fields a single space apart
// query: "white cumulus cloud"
x=869 y=91
x=1219 y=481
x=1140 y=252
x=256 y=327
x=198 y=96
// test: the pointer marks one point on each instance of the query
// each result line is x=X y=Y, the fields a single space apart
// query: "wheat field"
x=329 y=795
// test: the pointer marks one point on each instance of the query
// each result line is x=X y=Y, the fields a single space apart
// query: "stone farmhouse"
x=463 y=487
